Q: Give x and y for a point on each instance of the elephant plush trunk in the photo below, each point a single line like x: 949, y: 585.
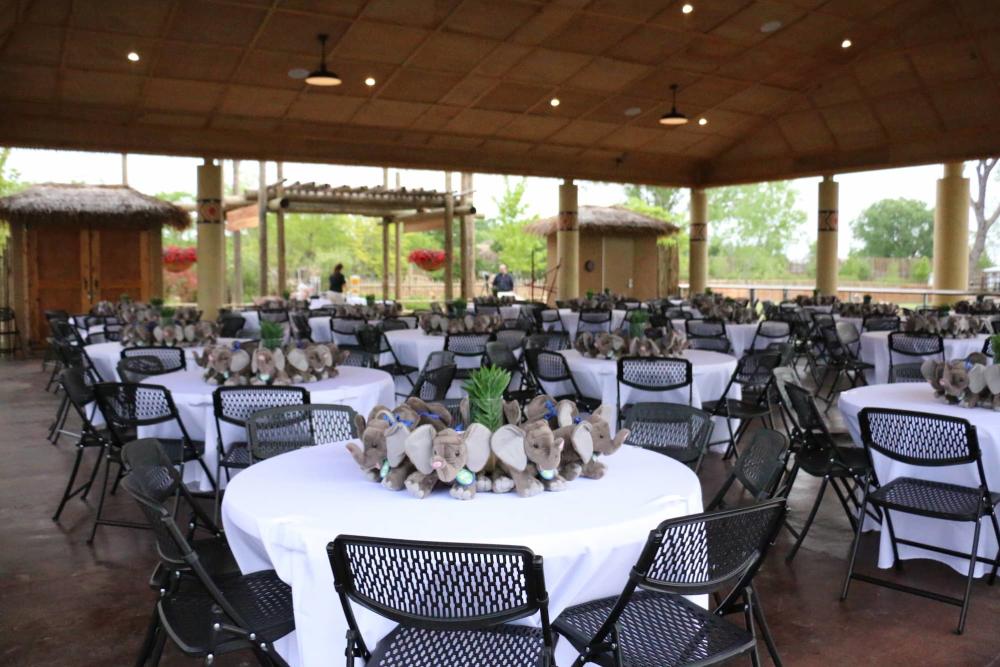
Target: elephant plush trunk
x: 446, y: 472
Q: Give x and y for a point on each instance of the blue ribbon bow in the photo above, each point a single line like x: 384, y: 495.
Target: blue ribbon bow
x: 550, y: 410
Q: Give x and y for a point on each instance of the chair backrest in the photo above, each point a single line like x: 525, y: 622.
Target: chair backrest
x: 172, y: 358
x: 803, y: 407
x: 439, y: 358
x: 548, y: 366
x: 127, y: 406
x: 769, y: 331
x: 234, y: 405
x: 499, y: 355
x: 595, y: 321
x: 467, y: 344
x: 230, y: 325
x: 755, y: 368
x: 433, y: 383
x: 654, y: 373
x: 549, y: 340
x: 821, y: 320
x: 372, y: 340
x: 303, y: 330
x: 438, y: 585
x: 394, y: 324
x: 762, y: 463
x: 284, y: 429
x: 80, y: 393
x: 920, y: 438
x: 273, y: 314
x: 915, y: 344
x: 137, y: 369
x: 669, y: 428
x: 705, y: 328
x: 880, y: 323
x: 783, y: 376
x: 512, y: 338
x: 847, y: 333
x: 484, y: 309
x: 701, y: 553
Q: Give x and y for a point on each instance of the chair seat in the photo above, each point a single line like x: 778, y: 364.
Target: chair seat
x: 507, y: 645
x: 730, y: 407
x: 237, y: 456
x: 658, y: 629
x: 263, y: 601
x: 816, y: 461
x: 933, y: 499
x: 178, y: 452
x: 399, y: 369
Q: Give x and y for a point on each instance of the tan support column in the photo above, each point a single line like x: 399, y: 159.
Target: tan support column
x: 449, y: 241
x: 398, y: 248
x: 211, y: 240
x: 280, y: 227
x: 568, y: 242
x: 951, y: 233
x: 468, y: 241
x: 826, y: 237
x: 262, y: 225
x: 385, y: 258
x: 698, y: 249
x: 237, y: 245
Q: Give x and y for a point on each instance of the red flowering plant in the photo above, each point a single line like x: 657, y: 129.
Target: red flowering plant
x: 428, y: 260
x: 177, y: 259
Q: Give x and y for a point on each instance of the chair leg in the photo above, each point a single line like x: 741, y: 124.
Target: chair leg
x: 896, y: 560
x: 765, y: 630
x: 68, y: 493
x: 104, y: 491
x: 204, y: 467
x: 968, y: 582
x: 856, y: 544
x: 996, y: 559
x: 748, y: 617
x: 149, y: 641
x: 812, y: 515
x: 93, y: 473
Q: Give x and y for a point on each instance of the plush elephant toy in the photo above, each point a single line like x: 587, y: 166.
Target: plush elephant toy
x: 268, y: 367
x: 993, y: 386
x: 320, y: 361
x: 602, y: 442
x: 447, y: 456
x: 433, y: 414
x: 932, y: 371
x: 297, y: 366
x: 541, y: 407
x: 978, y: 393
x: 382, y: 455
x: 530, y: 456
x: 954, y: 381
x: 239, y: 368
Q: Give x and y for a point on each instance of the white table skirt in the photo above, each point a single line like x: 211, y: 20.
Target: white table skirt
x: 107, y: 355
x: 598, y: 378
x: 948, y: 534
x: 360, y: 388
x: 875, y: 350
x: 740, y: 336
x: 282, y: 513
x: 571, y: 318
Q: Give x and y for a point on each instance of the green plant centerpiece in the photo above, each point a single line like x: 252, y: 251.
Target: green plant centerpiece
x: 995, y: 345
x: 272, y: 334
x: 590, y: 295
x: 485, y: 388
x: 370, y: 299
x: 459, y: 306
x: 637, y: 321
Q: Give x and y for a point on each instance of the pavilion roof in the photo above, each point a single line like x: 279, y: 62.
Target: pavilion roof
x: 607, y: 219
x: 468, y: 85
x: 64, y: 203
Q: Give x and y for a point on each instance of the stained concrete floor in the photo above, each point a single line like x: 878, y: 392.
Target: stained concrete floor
x: 63, y: 602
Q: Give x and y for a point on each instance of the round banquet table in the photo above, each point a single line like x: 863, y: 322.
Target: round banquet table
x: 740, y: 336
x: 107, y: 355
x: 360, y: 388
x: 282, y: 513
x: 511, y: 312
x: 599, y: 378
x: 571, y: 318
x: 875, y: 351
x: 951, y: 535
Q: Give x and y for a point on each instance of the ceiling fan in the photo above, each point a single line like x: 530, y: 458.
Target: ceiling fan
x: 321, y: 76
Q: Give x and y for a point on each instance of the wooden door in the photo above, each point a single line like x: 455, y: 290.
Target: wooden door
x: 59, y: 273
x: 119, y: 264
x: 618, y: 265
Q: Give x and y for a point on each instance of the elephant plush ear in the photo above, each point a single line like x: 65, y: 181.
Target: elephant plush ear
x: 465, y: 411
x: 419, y: 448
x: 508, y: 445
x: 239, y: 361
x: 977, y: 378
x: 359, y: 423
x: 512, y: 412
x: 279, y: 359
x: 565, y: 412
x: 395, y: 443
x: 993, y: 378
x: 477, y: 445
x: 583, y: 440
x: 603, y: 412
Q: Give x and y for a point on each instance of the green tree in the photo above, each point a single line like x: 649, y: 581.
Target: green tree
x: 10, y: 182
x: 667, y: 200
x: 895, y: 228
x: 762, y: 215
x: 505, y: 233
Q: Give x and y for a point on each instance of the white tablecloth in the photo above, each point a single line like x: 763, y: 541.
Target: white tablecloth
x: 107, y: 355
x: 282, y: 513
x: 571, y: 318
x: 875, y: 350
x: 598, y: 378
x: 251, y: 324
x: 506, y: 312
x: 740, y: 336
x: 951, y: 535
x: 360, y: 388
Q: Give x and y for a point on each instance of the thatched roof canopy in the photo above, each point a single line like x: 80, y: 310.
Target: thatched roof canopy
x: 607, y: 220
x: 61, y: 203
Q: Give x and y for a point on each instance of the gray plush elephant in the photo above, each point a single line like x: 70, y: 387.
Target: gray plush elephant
x: 382, y: 455
x: 448, y: 456
x: 530, y: 456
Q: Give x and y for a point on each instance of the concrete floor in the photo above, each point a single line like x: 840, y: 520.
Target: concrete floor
x: 65, y: 603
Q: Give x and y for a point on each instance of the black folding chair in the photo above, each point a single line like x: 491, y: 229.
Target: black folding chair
x: 230, y: 325
x: 769, y: 332
x: 549, y: 320
x: 136, y: 369
x: 499, y: 355
x: 204, y: 607
x: 594, y: 321
x: 343, y: 331
x: 841, y: 360
x: 290, y: 427
x: 301, y: 328
x: 880, y: 323
x: 453, y: 603
x: 678, y: 431
x: 171, y: 358
x: 754, y: 376
x: 432, y: 384
x: 80, y: 396
x: 549, y: 340
x: 758, y: 470
x: 373, y: 341
x: 927, y: 441
x: 652, y: 622
x: 551, y: 373
x: 653, y: 374
x: 913, y: 345
x: 707, y: 335
x: 468, y: 346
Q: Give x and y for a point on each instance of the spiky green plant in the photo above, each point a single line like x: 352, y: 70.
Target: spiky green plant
x: 156, y: 302
x: 485, y: 388
x: 167, y: 314
x: 995, y: 345
x: 637, y: 321
x: 272, y: 334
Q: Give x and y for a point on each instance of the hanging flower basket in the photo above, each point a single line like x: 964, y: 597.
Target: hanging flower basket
x: 178, y: 260
x: 428, y: 260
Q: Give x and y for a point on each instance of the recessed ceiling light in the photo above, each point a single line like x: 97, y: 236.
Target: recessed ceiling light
x: 687, y: 8
x: 633, y: 111
x: 133, y: 56
x: 771, y: 26
x: 846, y: 44
x: 703, y: 121
x: 554, y: 102
x: 370, y: 81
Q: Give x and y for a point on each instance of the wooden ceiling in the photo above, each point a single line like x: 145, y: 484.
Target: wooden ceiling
x: 467, y: 84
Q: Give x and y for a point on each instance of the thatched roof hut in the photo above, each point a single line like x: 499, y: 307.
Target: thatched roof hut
x: 616, y: 220
x: 107, y: 205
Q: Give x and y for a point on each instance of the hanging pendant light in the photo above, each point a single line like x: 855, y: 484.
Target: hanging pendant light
x: 322, y: 76
x: 673, y: 117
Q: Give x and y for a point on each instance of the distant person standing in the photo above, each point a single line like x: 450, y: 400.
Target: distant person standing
x: 503, y: 281
x: 337, y: 279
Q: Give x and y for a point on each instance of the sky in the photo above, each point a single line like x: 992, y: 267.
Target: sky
x: 152, y: 174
